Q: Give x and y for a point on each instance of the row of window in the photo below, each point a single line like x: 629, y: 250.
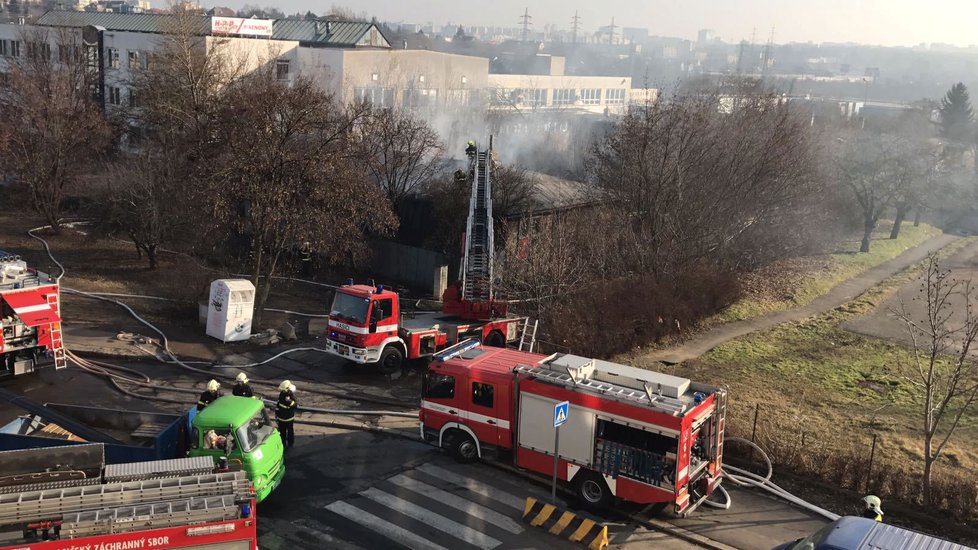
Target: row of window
x: 16, y: 48
x: 137, y: 59
x: 113, y: 96
x: 561, y: 96
x: 413, y: 97
x: 442, y: 386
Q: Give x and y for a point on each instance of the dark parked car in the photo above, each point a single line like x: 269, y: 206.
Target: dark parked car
x: 852, y: 533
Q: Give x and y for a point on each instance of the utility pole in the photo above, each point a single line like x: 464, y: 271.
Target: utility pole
x: 740, y: 55
x: 575, y: 26
x: 768, y: 52
x: 527, y: 21
x: 611, y: 31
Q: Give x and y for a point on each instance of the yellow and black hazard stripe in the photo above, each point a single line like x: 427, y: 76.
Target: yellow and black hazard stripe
x: 565, y: 524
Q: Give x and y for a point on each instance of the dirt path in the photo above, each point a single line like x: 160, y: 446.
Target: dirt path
x: 840, y: 294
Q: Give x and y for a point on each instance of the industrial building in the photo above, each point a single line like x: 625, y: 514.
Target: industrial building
x: 354, y: 60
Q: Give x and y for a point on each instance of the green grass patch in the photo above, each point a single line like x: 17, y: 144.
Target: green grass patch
x: 838, y: 267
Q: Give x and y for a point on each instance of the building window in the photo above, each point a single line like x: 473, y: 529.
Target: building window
x: 380, y: 97
x: 536, y: 97
x: 282, y: 69
x: 458, y: 97
x: 420, y: 97
x: 15, y: 48
x: 465, y: 80
x: 482, y: 394
x: 563, y: 96
x: 615, y: 96
x: 3, y: 48
x: 39, y: 50
x: 115, y: 95
x: 591, y: 96
x: 134, y: 60
x: 375, y: 77
x: 112, y: 58
x: 133, y: 102
x: 135, y: 136
x: 421, y: 79
x: 69, y: 53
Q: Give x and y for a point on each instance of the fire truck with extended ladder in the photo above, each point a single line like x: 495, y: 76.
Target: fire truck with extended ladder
x: 30, y: 318
x: 59, y: 498
x: 367, y: 326
x: 631, y: 434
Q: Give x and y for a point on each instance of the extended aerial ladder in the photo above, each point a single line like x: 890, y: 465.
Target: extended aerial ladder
x: 477, y: 264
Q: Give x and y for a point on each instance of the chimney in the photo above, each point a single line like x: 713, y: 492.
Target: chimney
x: 329, y: 26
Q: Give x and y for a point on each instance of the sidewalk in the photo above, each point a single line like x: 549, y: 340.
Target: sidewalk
x: 836, y: 297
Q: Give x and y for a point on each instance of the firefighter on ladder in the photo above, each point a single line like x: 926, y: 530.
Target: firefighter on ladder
x: 873, y: 508
x: 470, y: 148
x: 209, y: 395
x: 285, y: 412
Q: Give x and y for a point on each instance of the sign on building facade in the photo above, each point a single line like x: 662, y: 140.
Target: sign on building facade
x: 237, y: 25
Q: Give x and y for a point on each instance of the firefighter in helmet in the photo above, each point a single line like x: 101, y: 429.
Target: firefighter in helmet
x: 873, y: 507
x: 209, y: 395
x: 470, y: 148
x: 241, y: 387
x: 460, y: 176
x: 305, y: 257
x: 285, y: 412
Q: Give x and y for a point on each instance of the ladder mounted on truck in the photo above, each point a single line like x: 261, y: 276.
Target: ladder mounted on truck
x: 651, y: 389
x: 477, y: 264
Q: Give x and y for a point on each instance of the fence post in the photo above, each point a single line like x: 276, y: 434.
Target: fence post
x: 753, y: 432
x: 869, y: 470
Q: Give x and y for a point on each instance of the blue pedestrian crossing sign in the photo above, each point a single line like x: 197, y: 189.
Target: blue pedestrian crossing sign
x: 561, y: 411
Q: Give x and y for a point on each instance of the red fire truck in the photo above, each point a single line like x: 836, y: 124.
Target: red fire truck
x: 30, y: 319
x: 169, y: 504
x: 631, y: 434
x: 367, y: 326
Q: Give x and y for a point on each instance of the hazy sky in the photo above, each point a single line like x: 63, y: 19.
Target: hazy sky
x: 889, y: 22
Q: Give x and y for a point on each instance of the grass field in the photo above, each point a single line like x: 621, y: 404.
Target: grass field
x: 798, y: 281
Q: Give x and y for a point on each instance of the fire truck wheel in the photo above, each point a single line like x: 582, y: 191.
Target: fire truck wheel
x: 462, y: 447
x: 391, y: 360
x: 592, y: 491
x: 495, y: 339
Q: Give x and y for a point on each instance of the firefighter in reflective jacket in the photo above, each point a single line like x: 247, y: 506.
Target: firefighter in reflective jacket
x: 285, y: 412
x: 305, y: 256
x: 874, y: 508
x: 242, y: 388
x: 209, y: 396
x: 470, y: 148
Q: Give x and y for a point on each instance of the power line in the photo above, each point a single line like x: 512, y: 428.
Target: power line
x: 575, y: 26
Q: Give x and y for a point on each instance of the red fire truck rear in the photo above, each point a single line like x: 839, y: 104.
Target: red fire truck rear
x: 367, y: 326
x: 169, y: 504
x: 30, y: 319
x: 636, y: 435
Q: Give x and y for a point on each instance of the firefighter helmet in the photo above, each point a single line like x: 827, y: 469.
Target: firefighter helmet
x: 213, y: 385
x: 874, y: 503
x: 242, y: 377
x: 286, y: 385
x: 470, y: 143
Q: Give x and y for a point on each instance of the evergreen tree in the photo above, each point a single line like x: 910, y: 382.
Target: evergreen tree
x: 956, y: 114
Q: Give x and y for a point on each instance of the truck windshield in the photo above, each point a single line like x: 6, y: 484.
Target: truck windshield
x: 350, y: 308
x: 254, y: 433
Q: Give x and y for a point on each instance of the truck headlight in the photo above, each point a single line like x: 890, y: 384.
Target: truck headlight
x: 260, y: 482
x: 360, y: 352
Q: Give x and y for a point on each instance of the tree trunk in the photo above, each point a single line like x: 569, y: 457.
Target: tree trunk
x: 869, y: 224
x: 928, y: 467
x: 901, y: 214
x: 916, y: 216
x: 151, y: 255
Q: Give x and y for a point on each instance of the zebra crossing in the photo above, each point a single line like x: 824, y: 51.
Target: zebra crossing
x: 439, y: 505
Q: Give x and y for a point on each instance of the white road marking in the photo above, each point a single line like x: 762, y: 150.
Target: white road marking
x: 428, y: 517
x: 467, y: 506
x: 475, y: 486
x: 383, y: 527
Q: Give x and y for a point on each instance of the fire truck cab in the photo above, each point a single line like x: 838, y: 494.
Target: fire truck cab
x: 367, y: 326
x: 30, y: 320
x: 631, y: 434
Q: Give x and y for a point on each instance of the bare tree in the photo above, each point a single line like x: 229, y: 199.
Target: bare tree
x: 400, y: 152
x: 868, y: 164
x: 288, y: 176
x: 942, y: 336
x: 53, y: 130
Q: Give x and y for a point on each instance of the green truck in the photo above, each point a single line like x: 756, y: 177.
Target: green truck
x: 239, y: 428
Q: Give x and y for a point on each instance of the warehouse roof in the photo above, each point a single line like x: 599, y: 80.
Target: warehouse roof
x: 341, y: 34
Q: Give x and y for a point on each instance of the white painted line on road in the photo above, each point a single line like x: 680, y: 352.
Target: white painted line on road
x: 384, y: 527
x: 475, y: 486
x: 428, y: 517
x: 467, y: 506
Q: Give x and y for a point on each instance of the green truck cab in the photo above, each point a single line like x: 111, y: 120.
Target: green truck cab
x: 239, y: 428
